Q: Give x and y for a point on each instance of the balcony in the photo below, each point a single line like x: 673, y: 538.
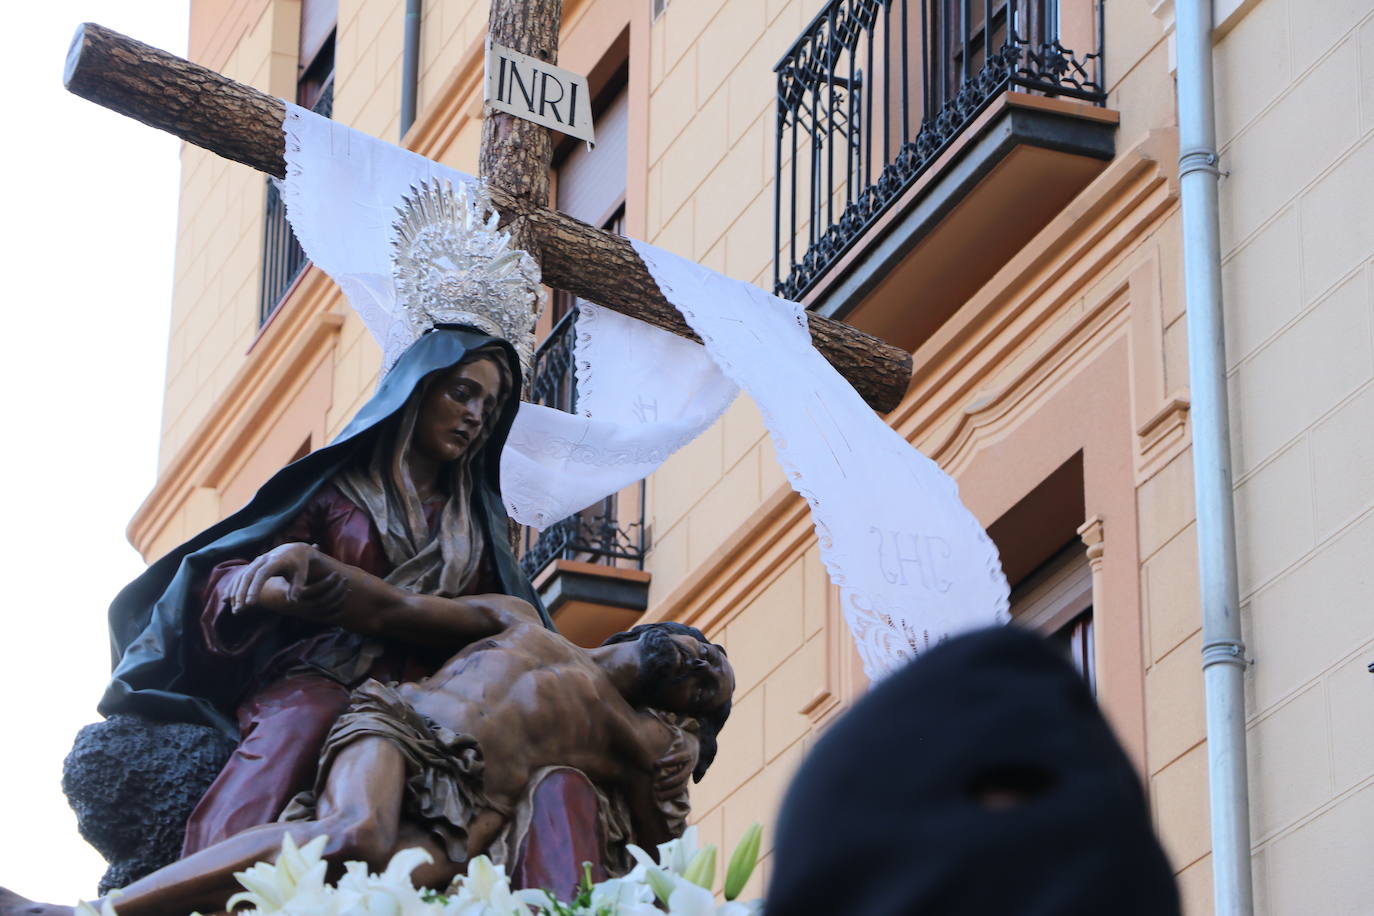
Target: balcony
x: 283, y: 260
x: 920, y: 134
x: 588, y: 568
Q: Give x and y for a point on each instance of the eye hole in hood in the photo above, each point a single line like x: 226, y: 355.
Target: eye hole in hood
x: 1009, y: 785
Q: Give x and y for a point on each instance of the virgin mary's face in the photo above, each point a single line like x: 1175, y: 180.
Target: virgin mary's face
x: 456, y: 408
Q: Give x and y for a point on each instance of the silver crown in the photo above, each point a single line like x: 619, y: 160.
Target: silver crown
x: 452, y: 266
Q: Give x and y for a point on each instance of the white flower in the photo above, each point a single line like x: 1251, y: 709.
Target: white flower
x: 676, y: 855
x: 294, y: 886
x: 298, y: 872
x: 629, y: 909
x: 674, y: 858
x: 687, y: 899
x: 485, y: 891
x: 106, y: 906
x: 620, y: 895
x: 392, y: 893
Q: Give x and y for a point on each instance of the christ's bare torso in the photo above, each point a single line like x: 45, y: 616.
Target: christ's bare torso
x: 532, y: 699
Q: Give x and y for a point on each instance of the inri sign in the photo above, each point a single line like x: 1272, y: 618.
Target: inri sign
x: 531, y: 89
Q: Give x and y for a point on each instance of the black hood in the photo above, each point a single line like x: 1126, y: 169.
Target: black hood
x: 980, y: 779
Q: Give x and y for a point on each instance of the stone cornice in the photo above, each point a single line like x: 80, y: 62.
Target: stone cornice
x: 1100, y: 225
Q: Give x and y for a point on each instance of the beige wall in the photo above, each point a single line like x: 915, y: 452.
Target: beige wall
x: 1075, y: 346
x: 1294, y: 121
x: 710, y: 198
x: 214, y: 296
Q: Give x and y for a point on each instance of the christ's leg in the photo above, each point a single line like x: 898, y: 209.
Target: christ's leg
x: 359, y: 811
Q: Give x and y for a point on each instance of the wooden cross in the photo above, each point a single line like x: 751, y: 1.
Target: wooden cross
x: 240, y: 123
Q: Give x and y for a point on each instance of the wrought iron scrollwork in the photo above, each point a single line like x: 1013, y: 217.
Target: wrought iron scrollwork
x: 874, y: 91
x: 594, y: 536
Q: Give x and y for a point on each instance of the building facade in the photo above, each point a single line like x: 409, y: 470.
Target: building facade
x: 992, y: 185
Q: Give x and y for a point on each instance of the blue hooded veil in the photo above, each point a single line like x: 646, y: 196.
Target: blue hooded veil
x: 161, y: 670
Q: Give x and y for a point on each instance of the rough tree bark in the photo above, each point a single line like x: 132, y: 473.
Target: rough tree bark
x: 175, y: 95
x: 516, y: 154
x: 240, y: 123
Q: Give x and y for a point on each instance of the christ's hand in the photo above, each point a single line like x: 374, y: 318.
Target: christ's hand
x: 671, y: 771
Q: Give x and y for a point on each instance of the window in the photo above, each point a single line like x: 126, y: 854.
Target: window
x: 1047, y: 565
x: 874, y: 92
x: 1056, y: 601
x: 283, y: 260
x: 315, y: 63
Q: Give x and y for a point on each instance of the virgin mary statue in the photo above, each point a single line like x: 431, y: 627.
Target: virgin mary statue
x: 410, y: 492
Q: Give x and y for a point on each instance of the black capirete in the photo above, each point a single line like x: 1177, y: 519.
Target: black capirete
x: 979, y: 779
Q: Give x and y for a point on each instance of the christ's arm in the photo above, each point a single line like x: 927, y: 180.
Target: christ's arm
x: 297, y: 580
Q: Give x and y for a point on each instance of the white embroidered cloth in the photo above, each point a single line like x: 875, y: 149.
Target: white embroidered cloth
x: 650, y: 394
x: 912, y: 563
x: 642, y: 394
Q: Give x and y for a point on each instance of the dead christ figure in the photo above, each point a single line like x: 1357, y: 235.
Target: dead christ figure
x: 443, y: 763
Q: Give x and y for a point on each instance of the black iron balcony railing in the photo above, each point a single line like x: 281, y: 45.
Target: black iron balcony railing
x: 283, y: 260
x: 597, y: 534
x: 874, y: 91
x: 593, y: 535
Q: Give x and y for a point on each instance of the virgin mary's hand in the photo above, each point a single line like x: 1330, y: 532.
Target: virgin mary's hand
x: 289, y: 563
x: 316, y: 601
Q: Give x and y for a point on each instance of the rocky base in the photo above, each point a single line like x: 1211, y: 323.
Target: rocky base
x: 133, y: 783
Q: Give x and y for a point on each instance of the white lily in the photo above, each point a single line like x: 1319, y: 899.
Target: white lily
x: 676, y: 855
x: 356, y: 879
x: 659, y: 882
x: 619, y: 895
x: 688, y: 899
x: 630, y: 909
x: 485, y: 891
x: 294, y: 886
x: 297, y: 871
x: 106, y: 906
x: 391, y: 893
x: 399, y: 869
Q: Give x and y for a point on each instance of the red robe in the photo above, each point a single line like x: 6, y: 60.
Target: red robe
x: 284, y: 718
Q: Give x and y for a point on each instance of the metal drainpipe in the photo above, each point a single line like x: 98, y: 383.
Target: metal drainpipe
x: 1223, y: 653
x: 410, y: 65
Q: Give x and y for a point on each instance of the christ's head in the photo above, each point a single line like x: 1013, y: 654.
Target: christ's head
x: 682, y: 671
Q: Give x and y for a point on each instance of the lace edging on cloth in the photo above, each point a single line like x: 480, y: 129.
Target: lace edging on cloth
x: 912, y: 563
x: 652, y: 392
